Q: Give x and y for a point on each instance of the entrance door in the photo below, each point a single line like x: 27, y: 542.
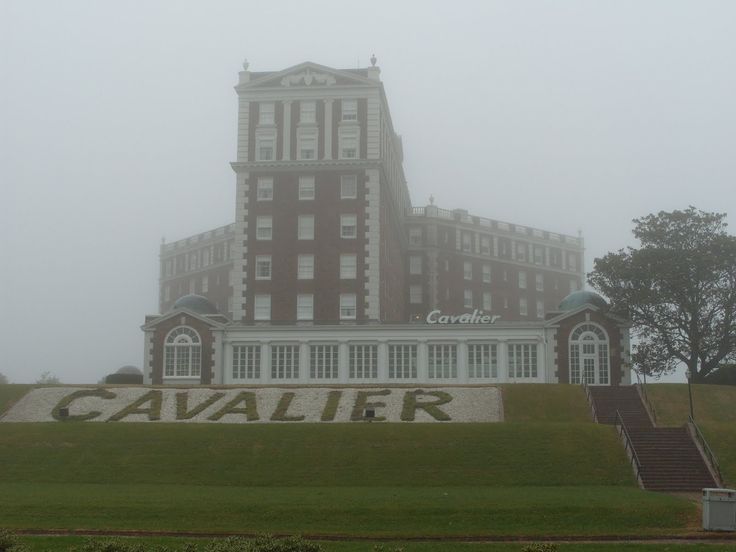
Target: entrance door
x: 589, y: 362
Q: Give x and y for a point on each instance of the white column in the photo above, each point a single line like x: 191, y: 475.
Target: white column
x: 383, y: 362
x: 286, y: 132
x: 422, y: 361
x: 304, y: 362
x: 462, y: 361
x: 265, y: 362
x: 541, y: 363
x: 343, y: 361
x: 328, y: 129
x: 502, y: 359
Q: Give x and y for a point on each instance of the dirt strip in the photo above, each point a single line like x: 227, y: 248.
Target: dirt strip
x: 704, y: 537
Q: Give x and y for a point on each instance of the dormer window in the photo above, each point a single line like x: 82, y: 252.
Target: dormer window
x: 350, y: 110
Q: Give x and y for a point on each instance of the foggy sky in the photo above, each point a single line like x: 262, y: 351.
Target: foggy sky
x: 118, y: 124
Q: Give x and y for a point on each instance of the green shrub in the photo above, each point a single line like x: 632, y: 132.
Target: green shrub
x: 9, y: 542
x: 540, y: 547
x: 265, y: 543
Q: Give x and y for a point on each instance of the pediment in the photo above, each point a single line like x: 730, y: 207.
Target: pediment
x: 309, y: 75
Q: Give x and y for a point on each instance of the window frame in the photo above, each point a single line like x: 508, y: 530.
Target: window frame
x: 343, y: 226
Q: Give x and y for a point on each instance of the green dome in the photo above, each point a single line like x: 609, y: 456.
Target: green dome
x: 579, y: 298
x: 196, y: 303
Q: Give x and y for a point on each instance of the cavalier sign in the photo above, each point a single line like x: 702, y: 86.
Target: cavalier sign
x: 239, y: 405
x: 476, y: 317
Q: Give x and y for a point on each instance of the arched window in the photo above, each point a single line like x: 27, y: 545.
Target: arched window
x: 182, y: 353
x: 589, y: 360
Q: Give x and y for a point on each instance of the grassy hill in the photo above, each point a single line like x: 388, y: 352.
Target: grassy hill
x: 548, y: 470
x: 11, y: 393
x: 714, y: 407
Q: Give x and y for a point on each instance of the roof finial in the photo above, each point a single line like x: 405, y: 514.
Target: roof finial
x: 431, y: 199
x: 245, y: 64
x: 373, y: 60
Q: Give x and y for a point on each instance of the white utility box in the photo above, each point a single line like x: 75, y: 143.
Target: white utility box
x: 719, y: 509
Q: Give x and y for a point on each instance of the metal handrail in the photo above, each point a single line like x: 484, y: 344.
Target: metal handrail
x: 710, y: 456
x: 589, y: 398
x: 629, y: 444
x: 644, y: 395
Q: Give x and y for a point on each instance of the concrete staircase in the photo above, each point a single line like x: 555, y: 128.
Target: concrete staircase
x: 668, y: 457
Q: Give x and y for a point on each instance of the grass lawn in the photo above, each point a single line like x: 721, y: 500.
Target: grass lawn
x: 715, y: 412
x: 62, y: 544
x: 722, y: 439
x: 368, y: 511
x: 509, y: 454
x: 11, y: 393
x: 711, y: 403
x: 545, y: 403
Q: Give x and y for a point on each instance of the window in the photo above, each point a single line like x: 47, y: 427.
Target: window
x: 265, y: 113
x: 167, y: 292
x: 485, y: 245
x: 264, y: 189
x: 522, y: 360
x: 247, y: 362
x: 522, y: 279
x: 348, y: 186
x: 348, y: 226
x: 308, y: 112
x: 306, y: 227
x: 350, y: 110
x: 468, y: 270
x: 307, y: 147
x: 540, y: 282
x: 482, y: 361
x: 265, y: 147
x: 306, y: 188
x: 589, y: 359
x: 262, y: 307
x: 468, y: 299
x: 487, y: 273
x: 264, y: 228
x: 348, y: 266
x: 540, y: 309
x: 348, y: 140
x: 521, y: 252
x: 415, y: 294
x: 205, y: 284
x: 572, y: 261
x: 191, y: 285
x: 538, y: 255
x: 467, y: 242
x: 487, y: 300
x: 522, y: 306
x: 182, y: 353
x: 323, y: 361
x: 363, y: 361
x: 347, y: 306
x: 305, y: 267
x: 442, y: 361
x: 402, y: 361
x: 573, y: 285
x: 415, y: 264
x: 415, y: 236
x: 305, y: 307
x: 284, y: 362
x: 307, y: 142
x: 263, y: 267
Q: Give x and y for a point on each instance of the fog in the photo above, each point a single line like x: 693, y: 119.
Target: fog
x: 118, y: 124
